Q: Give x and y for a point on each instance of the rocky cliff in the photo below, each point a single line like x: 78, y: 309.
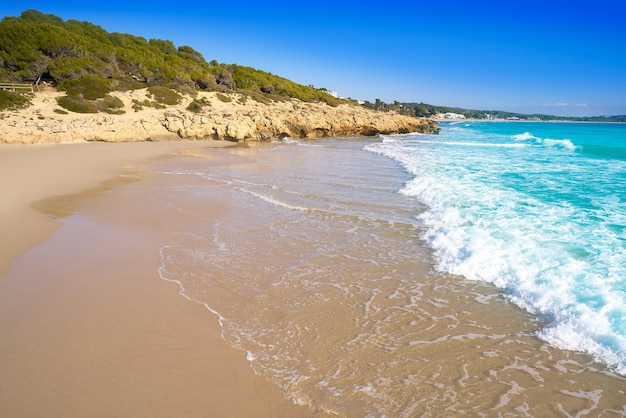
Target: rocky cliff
x: 240, y: 119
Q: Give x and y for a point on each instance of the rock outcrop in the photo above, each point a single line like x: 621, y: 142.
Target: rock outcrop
x: 238, y: 120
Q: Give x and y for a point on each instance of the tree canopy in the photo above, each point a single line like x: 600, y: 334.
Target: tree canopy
x: 37, y: 46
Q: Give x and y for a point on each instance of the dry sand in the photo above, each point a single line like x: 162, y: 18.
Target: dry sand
x: 87, y: 328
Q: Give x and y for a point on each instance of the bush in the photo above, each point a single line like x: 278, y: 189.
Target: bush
x: 198, y: 104
x: 224, y: 98
x: 111, y: 105
x: 259, y: 97
x: 77, y: 104
x: 186, y: 90
x: 165, y: 95
x: 127, y: 83
x: 108, y: 104
x: 89, y: 88
x: 13, y: 101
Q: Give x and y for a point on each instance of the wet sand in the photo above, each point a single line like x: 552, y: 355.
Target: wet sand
x: 87, y: 326
x: 316, y: 270
x: 311, y: 263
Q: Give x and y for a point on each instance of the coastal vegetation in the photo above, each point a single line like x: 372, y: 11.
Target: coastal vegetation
x: 12, y: 101
x: 89, y: 63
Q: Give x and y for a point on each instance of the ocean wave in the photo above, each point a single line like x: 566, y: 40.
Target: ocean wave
x: 572, y: 335
x: 548, y: 142
x: 526, y: 136
x: 556, y: 255
x: 581, y: 301
x: 560, y: 143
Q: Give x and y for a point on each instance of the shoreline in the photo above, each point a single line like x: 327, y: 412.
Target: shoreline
x: 93, y: 321
x: 89, y: 328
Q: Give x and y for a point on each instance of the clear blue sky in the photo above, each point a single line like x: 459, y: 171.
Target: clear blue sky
x: 554, y: 57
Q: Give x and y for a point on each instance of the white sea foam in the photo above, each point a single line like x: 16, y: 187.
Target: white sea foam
x: 526, y: 136
x: 548, y: 142
x: 560, y: 143
x: 488, y: 221
x: 276, y: 202
x: 478, y: 144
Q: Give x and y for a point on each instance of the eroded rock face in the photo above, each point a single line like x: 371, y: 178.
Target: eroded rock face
x: 232, y: 121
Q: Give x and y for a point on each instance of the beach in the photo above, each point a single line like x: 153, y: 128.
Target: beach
x: 277, y: 279
x: 88, y: 327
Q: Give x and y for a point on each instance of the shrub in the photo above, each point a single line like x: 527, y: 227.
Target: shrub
x: 259, y: 97
x: 165, y: 95
x: 196, y: 105
x: 77, y: 104
x: 108, y: 104
x: 137, y: 105
x: 187, y: 90
x: 332, y: 102
x: 111, y: 105
x: 224, y: 98
x: 13, y: 101
x: 127, y: 83
x: 90, y: 88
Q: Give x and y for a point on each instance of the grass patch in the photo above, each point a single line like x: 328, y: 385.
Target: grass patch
x: 197, y: 105
x: 77, y: 104
x: 13, y: 101
x: 111, y: 105
x: 224, y: 98
x: 107, y: 104
x: 165, y: 95
x: 137, y: 105
x: 258, y: 97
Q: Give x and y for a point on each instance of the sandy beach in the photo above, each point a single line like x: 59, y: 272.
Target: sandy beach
x: 88, y: 327
x: 187, y: 279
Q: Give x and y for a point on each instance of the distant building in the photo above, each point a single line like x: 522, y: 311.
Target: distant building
x: 451, y: 115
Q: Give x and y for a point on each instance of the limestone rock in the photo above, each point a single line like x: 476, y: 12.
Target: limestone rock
x: 233, y: 121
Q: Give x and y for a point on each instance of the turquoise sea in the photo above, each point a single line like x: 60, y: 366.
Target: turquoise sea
x: 537, y: 209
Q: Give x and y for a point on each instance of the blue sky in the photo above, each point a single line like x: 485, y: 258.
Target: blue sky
x: 553, y: 57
